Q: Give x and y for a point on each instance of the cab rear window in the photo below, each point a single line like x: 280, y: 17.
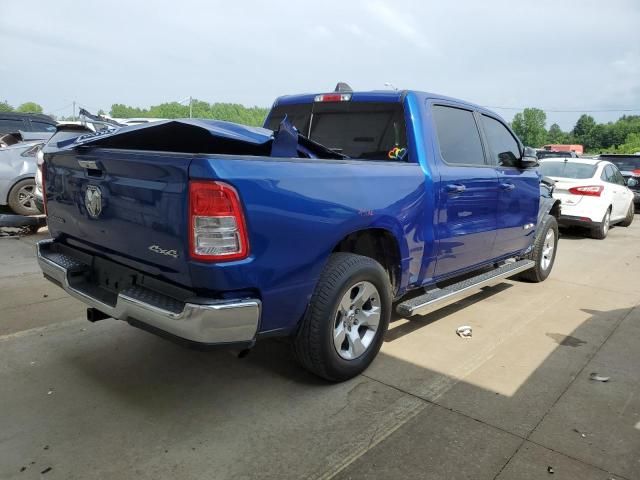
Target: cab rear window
x: 362, y: 130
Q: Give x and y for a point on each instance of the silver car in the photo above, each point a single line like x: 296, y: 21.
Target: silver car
x: 17, y: 175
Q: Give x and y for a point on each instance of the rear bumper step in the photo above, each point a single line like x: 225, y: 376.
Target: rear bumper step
x: 200, y: 320
x: 441, y: 297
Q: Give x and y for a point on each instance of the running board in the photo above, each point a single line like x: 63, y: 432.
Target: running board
x: 441, y: 297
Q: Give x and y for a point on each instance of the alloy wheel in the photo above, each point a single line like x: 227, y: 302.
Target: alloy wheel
x: 356, y: 320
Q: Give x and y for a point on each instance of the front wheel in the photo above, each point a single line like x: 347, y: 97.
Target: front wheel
x: 544, y: 251
x: 347, y: 317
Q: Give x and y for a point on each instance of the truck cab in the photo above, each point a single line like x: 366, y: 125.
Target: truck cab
x: 480, y: 205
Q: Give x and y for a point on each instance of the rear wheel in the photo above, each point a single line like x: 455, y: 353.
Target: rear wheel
x: 628, y: 220
x: 348, y: 315
x: 544, y: 251
x: 600, y: 232
x: 22, y: 199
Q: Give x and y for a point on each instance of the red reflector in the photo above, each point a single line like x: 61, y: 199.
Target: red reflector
x: 217, y: 230
x: 589, y: 190
x: 333, y: 97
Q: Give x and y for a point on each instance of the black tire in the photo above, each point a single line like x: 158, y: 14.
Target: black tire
x: 628, y: 220
x: 600, y: 232
x: 17, y: 197
x: 314, y: 342
x: 539, y: 254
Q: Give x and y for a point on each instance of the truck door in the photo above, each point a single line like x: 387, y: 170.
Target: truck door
x: 467, y: 192
x: 518, y: 189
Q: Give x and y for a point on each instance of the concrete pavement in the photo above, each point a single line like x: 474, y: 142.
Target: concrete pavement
x: 106, y: 400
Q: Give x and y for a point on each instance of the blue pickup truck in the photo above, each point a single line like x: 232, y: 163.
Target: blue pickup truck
x: 345, y: 207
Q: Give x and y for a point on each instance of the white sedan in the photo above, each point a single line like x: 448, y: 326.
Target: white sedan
x: 592, y: 192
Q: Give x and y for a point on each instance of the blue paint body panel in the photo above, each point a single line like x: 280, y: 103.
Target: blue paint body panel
x: 297, y: 210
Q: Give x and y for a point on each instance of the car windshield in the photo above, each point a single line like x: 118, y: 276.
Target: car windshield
x: 625, y: 164
x: 567, y: 169
x: 363, y: 130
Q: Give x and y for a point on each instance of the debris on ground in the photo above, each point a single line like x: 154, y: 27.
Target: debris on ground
x: 50, y: 392
x: 598, y: 378
x: 464, y: 331
x: 550, y: 470
x: 582, y: 434
x: 46, y: 470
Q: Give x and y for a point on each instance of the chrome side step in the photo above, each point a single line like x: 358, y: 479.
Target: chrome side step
x: 441, y: 297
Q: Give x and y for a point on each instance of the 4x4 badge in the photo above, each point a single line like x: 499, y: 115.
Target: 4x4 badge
x: 93, y: 201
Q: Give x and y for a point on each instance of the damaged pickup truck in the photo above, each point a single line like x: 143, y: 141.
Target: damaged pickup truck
x: 315, y: 227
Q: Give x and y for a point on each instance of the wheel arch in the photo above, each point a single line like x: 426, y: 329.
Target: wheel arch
x: 4, y: 200
x: 379, y: 244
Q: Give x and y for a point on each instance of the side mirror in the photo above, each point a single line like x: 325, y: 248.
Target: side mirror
x: 632, y: 182
x: 529, y: 158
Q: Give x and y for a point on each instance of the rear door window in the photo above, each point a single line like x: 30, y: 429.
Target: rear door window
x: 619, y: 179
x: 503, y: 147
x: 458, y: 136
x: 608, y: 175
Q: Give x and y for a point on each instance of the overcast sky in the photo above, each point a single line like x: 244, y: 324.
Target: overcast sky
x: 556, y: 55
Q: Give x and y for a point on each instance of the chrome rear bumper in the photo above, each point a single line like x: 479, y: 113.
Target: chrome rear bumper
x: 198, y: 320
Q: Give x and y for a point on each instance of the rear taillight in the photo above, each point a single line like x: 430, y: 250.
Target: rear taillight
x: 589, y: 191
x: 333, y: 97
x: 217, y: 229
x: 636, y: 172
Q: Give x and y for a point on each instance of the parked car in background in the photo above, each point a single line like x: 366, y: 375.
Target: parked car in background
x: 11, y: 122
x: 629, y: 166
x: 552, y: 154
x: 593, y: 193
x: 17, y: 176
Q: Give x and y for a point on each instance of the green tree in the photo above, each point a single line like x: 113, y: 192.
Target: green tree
x: 5, y: 107
x: 29, y: 107
x: 630, y: 145
x: 584, y: 125
x: 530, y: 126
x: 229, y: 112
x: 556, y: 135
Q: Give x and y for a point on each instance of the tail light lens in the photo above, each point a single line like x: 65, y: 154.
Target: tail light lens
x: 217, y: 228
x: 636, y: 172
x: 589, y: 190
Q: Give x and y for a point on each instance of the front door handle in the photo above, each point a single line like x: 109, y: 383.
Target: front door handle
x: 507, y: 186
x: 455, y: 188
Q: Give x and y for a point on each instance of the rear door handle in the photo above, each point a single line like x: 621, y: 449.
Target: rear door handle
x: 455, y: 188
x: 507, y: 186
